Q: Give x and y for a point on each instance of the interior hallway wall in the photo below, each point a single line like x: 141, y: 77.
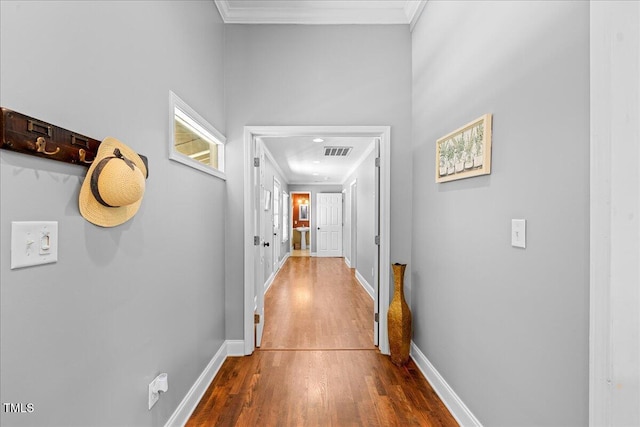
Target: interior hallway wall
x: 507, y: 328
x: 83, y: 338
x: 315, y: 75
x: 366, y: 249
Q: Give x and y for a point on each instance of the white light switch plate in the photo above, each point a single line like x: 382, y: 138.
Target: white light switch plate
x: 519, y: 233
x: 33, y: 243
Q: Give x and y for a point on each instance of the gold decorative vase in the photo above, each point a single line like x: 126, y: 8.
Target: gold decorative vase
x: 399, y: 319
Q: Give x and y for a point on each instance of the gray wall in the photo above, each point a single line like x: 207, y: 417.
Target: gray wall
x: 366, y: 250
x: 507, y: 328
x: 83, y: 338
x: 315, y: 75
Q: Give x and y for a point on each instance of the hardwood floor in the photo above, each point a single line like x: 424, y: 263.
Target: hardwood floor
x: 317, y: 365
x: 316, y: 303
x: 300, y: 252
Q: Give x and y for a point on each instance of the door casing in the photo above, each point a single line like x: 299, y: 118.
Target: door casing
x: 381, y: 132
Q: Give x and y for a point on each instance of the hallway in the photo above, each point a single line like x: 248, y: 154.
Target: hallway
x: 317, y: 364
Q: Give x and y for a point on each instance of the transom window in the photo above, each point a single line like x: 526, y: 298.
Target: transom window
x: 194, y: 141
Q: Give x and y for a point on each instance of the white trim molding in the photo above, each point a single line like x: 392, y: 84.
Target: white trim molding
x: 614, y: 327
x: 184, y: 410
x: 284, y: 259
x: 456, y: 406
x: 235, y: 348
x: 414, y: 10
x: 253, y: 132
x: 365, y: 285
x: 272, y: 278
x: 319, y: 12
x: 269, y: 281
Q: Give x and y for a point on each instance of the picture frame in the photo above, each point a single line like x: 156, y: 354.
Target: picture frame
x: 465, y: 152
x: 303, y: 214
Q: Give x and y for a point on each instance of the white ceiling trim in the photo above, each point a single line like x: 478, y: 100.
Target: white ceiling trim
x: 320, y: 12
x: 414, y: 10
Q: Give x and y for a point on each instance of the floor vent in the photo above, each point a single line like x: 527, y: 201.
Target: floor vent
x: 337, y: 151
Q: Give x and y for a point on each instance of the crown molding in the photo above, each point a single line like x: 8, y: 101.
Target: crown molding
x: 413, y: 10
x: 223, y: 9
x: 318, y: 12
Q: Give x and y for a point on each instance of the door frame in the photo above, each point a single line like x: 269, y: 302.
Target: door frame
x: 382, y: 132
x: 613, y: 246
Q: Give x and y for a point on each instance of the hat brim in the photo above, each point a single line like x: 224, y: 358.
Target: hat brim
x: 92, y: 210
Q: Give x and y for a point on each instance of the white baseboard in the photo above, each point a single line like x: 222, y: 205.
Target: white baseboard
x: 456, y: 406
x: 347, y: 261
x: 269, y: 282
x: 363, y: 282
x: 182, y: 413
x: 284, y: 259
x: 235, y: 348
x: 271, y: 278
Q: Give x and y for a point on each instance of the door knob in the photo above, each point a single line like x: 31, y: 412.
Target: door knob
x: 318, y: 228
x: 265, y: 244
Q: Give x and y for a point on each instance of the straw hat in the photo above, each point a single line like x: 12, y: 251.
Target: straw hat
x: 112, y: 190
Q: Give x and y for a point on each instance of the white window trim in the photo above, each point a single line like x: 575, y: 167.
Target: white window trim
x: 201, y: 126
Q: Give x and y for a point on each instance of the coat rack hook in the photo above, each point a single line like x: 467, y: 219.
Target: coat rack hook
x: 41, y: 147
x: 82, y: 153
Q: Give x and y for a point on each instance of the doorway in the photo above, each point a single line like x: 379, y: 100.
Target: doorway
x: 254, y: 297
x: 300, y: 224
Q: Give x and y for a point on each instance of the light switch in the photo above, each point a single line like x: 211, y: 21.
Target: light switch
x: 519, y: 233
x: 33, y: 243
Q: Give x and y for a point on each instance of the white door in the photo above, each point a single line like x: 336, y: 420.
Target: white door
x: 329, y: 225
x: 259, y: 230
x: 277, y: 225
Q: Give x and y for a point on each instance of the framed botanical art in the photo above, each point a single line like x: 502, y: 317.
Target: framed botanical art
x: 465, y: 152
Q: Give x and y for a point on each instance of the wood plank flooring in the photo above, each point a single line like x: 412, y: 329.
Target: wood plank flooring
x: 317, y: 365
x: 316, y: 303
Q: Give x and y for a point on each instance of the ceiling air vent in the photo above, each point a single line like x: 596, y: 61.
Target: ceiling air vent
x: 337, y: 151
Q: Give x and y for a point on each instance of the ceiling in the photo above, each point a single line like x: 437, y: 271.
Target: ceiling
x: 320, y: 11
x: 302, y: 161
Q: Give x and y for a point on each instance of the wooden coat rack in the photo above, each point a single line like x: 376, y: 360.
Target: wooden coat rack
x: 27, y: 135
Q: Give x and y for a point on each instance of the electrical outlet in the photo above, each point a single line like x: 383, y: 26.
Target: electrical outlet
x: 154, y: 396
x: 159, y: 384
